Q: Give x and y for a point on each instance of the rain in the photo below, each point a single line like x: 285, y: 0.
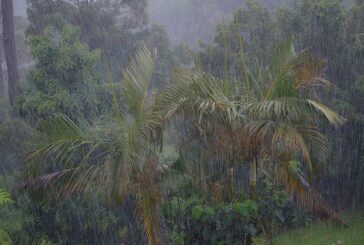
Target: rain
x: 182, y: 122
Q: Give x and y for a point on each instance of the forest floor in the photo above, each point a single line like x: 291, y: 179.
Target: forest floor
x: 326, y: 233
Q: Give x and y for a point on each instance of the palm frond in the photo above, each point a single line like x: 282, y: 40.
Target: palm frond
x: 294, y: 75
x: 5, y: 197
x: 292, y: 109
x: 283, y: 56
x: 308, y: 70
x: 303, y: 141
x: 287, y: 109
x: 281, y: 72
x: 62, y: 183
x: 62, y: 140
x: 289, y: 138
x: 137, y: 138
x: 333, y: 117
x: 136, y: 78
x: 198, y: 94
x: 292, y: 178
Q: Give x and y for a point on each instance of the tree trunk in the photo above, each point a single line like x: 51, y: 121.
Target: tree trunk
x: 149, y: 198
x: 253, y: 189
x: 2, y: 82
x: 9, y: 48
x: 3, y: 97
x: 253, y: 178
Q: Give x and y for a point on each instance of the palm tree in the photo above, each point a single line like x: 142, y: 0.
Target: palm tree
x: 118, y: 158
x: 208, y: 113
x: 283, y: 121
x: 276, y: 122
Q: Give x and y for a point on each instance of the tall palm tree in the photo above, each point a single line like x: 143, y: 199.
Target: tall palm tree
x: 283, y: 120
x: 276, y: 122
x: 118, y: 157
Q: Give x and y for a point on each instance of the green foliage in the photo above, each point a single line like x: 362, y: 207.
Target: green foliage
x: 119, y: 159
x: 192, y: 221
x: 272, y: 204
x: 114, y: 27
x: 5, y: 197
x: 251, y: 32
x: 84, y: 220
x: 301, y: 218
x: 63, y: 79
x: 13, y: 136
x: 5, y: 238
x: 271, y: 109
x: 246, y: 209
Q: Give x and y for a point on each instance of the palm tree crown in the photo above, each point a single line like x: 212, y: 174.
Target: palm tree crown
x: 118, y: 157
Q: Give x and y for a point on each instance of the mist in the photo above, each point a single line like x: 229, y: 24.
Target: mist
x: 183, y: 22
x: 182, y: 122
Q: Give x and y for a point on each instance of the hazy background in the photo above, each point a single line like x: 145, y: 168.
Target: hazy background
x: 20, y: 7
x: 182, y: 20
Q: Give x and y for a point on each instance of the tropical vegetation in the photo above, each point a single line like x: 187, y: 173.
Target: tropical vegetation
x: 119, y: 136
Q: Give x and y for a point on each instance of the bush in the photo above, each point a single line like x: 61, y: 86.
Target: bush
x: 190, y: 221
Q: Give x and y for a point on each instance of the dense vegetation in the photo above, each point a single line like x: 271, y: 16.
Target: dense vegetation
x: 116, y: 137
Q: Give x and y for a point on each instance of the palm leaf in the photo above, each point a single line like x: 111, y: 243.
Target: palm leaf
x: 5, y: 197
x: 136, y: 78
x: 199, y: 95
x: 333, y: 117
x: 61, y: 183
x: 292, y: 178
x: 61, y: 139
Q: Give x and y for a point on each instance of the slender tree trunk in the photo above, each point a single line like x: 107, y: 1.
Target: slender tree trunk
x: 149, y: 198
x: 9, y: 48
x: 3, y: 97
x: 232, y: 184
x: 253, y: 188
x: 253, y: 178
x: 2, y: 82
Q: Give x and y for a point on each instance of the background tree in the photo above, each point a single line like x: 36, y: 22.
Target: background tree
x: 114, y: 27
x: 63, y: 79
x: 10, y: 49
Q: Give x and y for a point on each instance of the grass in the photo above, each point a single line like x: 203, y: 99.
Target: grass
x: 325, y: 233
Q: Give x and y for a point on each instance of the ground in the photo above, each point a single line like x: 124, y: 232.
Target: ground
x: 325, y: 233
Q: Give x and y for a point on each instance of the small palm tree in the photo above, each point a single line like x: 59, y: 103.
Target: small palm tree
x: 118, y: 158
